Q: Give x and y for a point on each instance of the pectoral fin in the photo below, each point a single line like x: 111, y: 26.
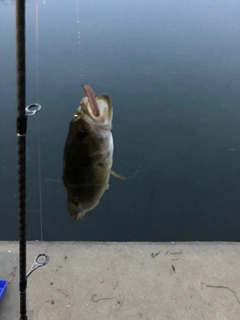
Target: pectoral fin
x: 118, y: 176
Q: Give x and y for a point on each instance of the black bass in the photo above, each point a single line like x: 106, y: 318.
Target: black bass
x: 88, y: 153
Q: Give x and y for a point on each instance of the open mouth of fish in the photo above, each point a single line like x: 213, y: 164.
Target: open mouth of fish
x: 98, y: 108
x: 94, y: 108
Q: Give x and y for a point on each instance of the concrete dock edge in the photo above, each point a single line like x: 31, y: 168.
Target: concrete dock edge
x: 125, y: 281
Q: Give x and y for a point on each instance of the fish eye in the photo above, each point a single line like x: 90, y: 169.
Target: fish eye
x: 82, y: 133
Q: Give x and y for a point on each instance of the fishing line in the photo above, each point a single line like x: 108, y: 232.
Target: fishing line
x: 79, y: 38
x: 38, y: 124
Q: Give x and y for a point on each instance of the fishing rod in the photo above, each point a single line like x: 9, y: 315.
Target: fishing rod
x: 22, y: 115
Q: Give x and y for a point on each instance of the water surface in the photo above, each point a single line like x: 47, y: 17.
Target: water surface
x: 172, y: 70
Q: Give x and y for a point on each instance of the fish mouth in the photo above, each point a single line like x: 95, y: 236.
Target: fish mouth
x: 97, y: 108
x: 92, y: 100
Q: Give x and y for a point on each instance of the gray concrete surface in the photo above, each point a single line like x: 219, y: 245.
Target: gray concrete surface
x: 126, y: 281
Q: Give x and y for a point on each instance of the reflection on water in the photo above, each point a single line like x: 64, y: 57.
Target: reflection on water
x: 171, y: 69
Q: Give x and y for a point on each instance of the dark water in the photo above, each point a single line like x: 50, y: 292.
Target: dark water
x: 172, y: 70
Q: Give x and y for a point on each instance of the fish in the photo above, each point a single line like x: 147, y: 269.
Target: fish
x: 88, y: 153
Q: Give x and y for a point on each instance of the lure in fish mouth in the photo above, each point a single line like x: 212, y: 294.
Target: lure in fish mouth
x: 98, y: 108
x: 92, y: 100
x: 88, y: 153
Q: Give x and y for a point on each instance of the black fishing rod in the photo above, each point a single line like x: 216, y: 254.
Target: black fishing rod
x: 21, y: 137
x: 22, y: 114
